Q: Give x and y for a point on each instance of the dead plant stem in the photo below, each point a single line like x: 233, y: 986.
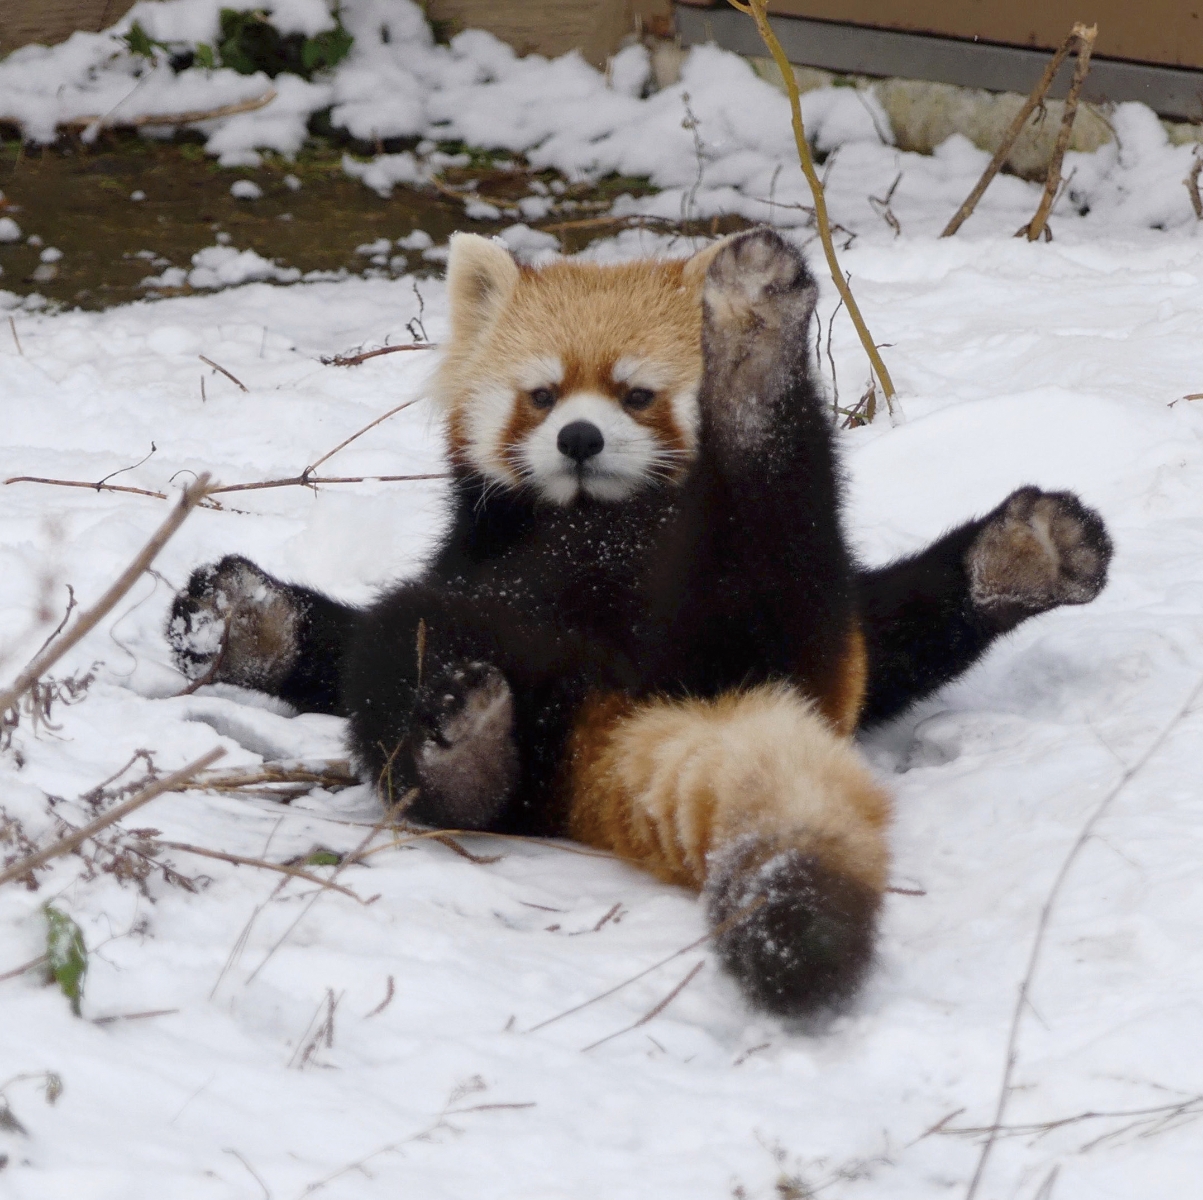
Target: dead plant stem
x: 1084, y: 37
x: 89, y: 619
x: 757, y: 10
x: 1034, y: 101
x: 116, y: 813
x: 1025, y: 986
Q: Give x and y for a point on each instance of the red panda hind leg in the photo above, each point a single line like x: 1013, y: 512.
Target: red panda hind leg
x: 754, y: 800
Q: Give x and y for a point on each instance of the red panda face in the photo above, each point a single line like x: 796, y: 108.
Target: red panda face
x: 573, y: 380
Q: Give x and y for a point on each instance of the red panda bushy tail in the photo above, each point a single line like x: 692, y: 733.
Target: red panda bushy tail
x: 753, y: 799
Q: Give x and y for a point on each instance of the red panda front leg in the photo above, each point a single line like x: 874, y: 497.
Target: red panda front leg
x: 754, y: 800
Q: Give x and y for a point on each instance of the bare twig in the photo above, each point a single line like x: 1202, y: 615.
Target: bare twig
x: 389, y: 992
x: 392, y: 412
x: 1191, y: 181
x: 758, y: 11
x: 881, y: 204
x: 228, y: 374
x: 79, y: 483
x: 1193, y: 1105
x: 717, y: 931
x: 1034, y: 101
x: 1084, y: 36
x: 180, y: 118
x: 88, y: 620
x: 29, y: 966
x: 380, y: 825
x: 240, y: 860
x: 331, y: 773
x: 251, y: 1170
x: 304, y: 480
x: 78, y: 837
x: 1046, y: 912
x: 353, y: 360
x: 655, y: 1011
x: 136, y: 1016
x: 13, y: 326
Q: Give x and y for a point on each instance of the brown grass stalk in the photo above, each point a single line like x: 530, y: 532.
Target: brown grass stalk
x: 717, y: 931
x: 757, y: 10
x: 180, y: 118
x: 228, y: 374
x: 1192, y: 185
x: 353, y: 360
x: 1034, y: 101
x: 1084, y: 37
x: 116, y: 813
x: 241, y: 860
x: 90, y: 618
x: 1023, y: 994
x: 652, y: 1012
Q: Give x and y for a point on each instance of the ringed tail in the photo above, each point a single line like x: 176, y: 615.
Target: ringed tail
x: 754, y: 800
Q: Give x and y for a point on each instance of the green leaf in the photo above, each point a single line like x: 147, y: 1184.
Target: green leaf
x: 204, y: 56
x: 323, y: 858
x: 141, y: 43
x: 66, y: 955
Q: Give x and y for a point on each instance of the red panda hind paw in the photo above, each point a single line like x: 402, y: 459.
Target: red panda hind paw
x: 1036, y: 551
x: 236, y: 623
x: 807, y: 938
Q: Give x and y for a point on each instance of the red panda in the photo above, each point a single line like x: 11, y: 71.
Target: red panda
x: 643, y: 628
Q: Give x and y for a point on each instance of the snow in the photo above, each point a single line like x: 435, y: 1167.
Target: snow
x: 1061, y: 364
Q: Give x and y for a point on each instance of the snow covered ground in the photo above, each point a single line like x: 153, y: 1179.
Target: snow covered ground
x: 1054, y: 364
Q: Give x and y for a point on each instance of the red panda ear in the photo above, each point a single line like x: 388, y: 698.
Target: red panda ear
x: 696, y: 267
x: 481, y: 274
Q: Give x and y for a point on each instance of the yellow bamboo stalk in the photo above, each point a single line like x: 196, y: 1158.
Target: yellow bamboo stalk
x: 758, y: 11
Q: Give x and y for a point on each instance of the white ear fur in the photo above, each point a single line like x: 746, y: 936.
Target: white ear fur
x: 481, y: 274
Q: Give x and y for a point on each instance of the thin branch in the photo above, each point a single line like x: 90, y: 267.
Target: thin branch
x: 21, y: 970
x: 757, y: 10
x: 88, y: 620
x: 353, y: 360
x: 79, y: 483
x: 116, y: 813
x: 346, y: 862
x: 1084, y: 35
x: 181, y: 118
x: 303, y: 480
x: 240, y: 860
x: 135, y: 1016
x: 392, y: 412
x: 332, y: 773
x: 1035, y: 100
x: 1191, y: 181
x: 717, y: 931
x: 13, y: 326
x: 655, y: 1011
x: 228, y: 374
x: 1046, y: 912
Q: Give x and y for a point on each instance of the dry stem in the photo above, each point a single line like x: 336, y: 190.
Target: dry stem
x: 228, y: 374
x: 654, y: 1011
x: 1035, y: 100
x: 757, y: 10
x: 1192, y: 186
x: 182, y: 118
x: 353, y: 360
x: 1046, y: 912
x: 1084, y: 36
x: 87, y: 621
x: 78, y: 837
x: 240, y: 860
x: 717, y: 931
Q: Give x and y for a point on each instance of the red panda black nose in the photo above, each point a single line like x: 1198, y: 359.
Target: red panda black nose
x: 580, y: 440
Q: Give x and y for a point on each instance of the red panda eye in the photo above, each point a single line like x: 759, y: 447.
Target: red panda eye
x: 542, y: 397
x: 639, y: 398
